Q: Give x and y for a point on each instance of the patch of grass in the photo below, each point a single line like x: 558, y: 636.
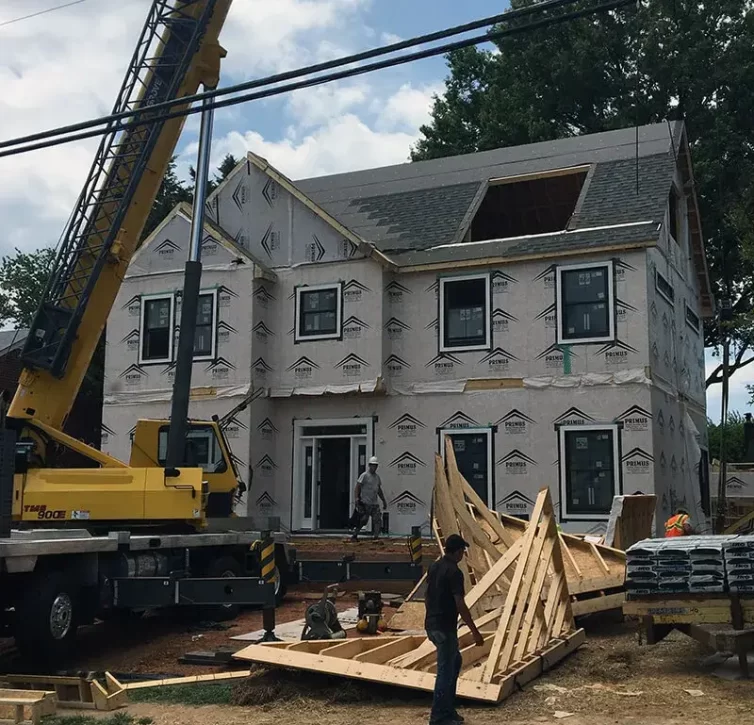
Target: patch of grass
x: 119, y: 718
x: 220, y: 694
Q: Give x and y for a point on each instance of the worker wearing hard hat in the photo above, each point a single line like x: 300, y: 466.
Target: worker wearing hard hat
x: 368, y: 491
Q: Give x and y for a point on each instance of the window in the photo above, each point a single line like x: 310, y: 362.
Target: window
x: 202, y: 450
x: 473, y: 451
x: 692, y: 319
x: 586, y: 308
x: 589, y: 470
x: 465, y: 313
x: 157, y: 319
x: 206, y: 322
x: 664, y: 288
x: 318, y: 312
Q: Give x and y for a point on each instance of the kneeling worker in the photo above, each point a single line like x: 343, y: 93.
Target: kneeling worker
x: 679, y: 524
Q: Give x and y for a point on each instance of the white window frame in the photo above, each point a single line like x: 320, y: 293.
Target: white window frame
x: 565, y: 515
x: 338, y: 286
x: 474, y: 431
x: 698, y: 328
x: 213, y: 350
x: 143, y: 329
x: 442, y: 281
x: 608, y: 265
x: 667, y: 299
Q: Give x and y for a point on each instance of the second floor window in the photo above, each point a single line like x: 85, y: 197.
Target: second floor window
x: 586, y: 307
x: 204, y: 335
x: 157, y: 315
x: 465, y: 313
x: 318, y: 312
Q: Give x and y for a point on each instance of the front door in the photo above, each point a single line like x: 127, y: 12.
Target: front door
x: 335, y: 483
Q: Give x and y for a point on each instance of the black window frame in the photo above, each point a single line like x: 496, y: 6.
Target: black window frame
x: 162, y: 442
x: 299, y: 334
x: 564, y: 338
x: 443, y: 309
x: 563, y: 432
x: 144, y: 331
x: 695, y: 323
x: 667, y: 294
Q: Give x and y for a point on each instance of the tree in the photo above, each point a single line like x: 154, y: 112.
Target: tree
x: 23, y: 277
x: 227, y: 165
x: 619, y: 69
x: 735, y: 447
x: 172, y: 191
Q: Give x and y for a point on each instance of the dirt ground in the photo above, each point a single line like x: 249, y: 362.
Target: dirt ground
x: 610, y: 680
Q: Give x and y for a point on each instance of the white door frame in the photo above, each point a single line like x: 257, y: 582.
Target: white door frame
x: 299, y: 466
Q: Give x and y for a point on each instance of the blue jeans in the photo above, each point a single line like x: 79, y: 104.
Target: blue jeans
x: 446, y: 678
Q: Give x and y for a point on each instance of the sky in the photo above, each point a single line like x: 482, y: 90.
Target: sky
x: 67, y: 65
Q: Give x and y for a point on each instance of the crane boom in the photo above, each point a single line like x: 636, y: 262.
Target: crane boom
x: 177, y: 51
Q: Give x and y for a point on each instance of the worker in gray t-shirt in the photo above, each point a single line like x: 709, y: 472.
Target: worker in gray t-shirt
x: 368, y: 491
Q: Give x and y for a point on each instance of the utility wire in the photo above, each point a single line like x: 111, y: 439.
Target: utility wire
x: 41, y: 12
x: 57, y: 136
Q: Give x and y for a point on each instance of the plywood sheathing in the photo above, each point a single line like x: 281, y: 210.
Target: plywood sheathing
x: 530, y: 630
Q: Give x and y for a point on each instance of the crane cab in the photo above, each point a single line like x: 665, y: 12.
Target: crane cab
x: 206, y: 448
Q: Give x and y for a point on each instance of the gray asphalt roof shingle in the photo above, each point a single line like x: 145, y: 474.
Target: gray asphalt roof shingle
x: 416, y: 206
x: 11, y: 339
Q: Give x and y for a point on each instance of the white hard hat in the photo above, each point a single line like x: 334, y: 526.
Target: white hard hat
x: 373, y: 460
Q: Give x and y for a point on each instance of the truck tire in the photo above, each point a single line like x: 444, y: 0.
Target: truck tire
x: 225, y: 566
x: 47, y: 617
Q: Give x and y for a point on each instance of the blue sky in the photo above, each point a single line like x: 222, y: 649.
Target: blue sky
x: 67, y: 66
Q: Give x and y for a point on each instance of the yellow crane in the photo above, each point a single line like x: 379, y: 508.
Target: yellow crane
x: 76, y: 543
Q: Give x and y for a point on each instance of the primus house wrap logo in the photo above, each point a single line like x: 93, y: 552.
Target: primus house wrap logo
x: 515, y: 504
x: 638, y: 462
x: 133, y: 374
x: 267, y: 429
x: 498, y: 360
x: 314, y: 250
x: 501, y: 320
x: 234, y: 427
x: 547, y: 277
x: 573, y: 416
x: 616, y: 353
x: 395, y: 328
x: 266, y: 466
x: 131, y: 340
x: 459, y: 419
x: 396, y: 292
x: 167, y: 248
x: 220, y: 369
x: 515, y: 423
x: 303, y: 367
x: 406, y: 504
x: 516, y: 463
x: 501, y: 282
x: 635, y: 418
x: 444, y: 364
x: 265, y: 502
x: 351, y: 365
x: 548, y: 316
x: 353, y: 291
x: 406, y: 464
x: 353, y: 327
x: 406, y: 426
x: 395, y: 366
x: 555, y: 356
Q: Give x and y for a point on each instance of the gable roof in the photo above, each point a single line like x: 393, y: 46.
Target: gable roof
x: 11, y: 340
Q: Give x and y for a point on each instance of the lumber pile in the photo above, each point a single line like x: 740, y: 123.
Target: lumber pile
x: 595, y: 573
x: 517, y: 592
x: 20, y: 706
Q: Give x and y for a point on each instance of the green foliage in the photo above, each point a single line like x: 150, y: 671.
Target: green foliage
x: 581, y: 77
x: 23, y: 277
x: 173, y: 191
x: 734, y: 439
x: 220, y: 694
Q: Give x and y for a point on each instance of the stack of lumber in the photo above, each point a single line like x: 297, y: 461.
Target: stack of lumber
x: 595, y: 573
x: 26, y: 705
x: 517, y: 593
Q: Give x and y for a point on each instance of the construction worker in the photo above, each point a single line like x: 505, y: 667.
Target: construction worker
x: 679, y: 524
x: 444, y: 602
x: 368, y: 490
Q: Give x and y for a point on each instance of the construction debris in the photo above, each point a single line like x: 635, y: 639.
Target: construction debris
x: 18, y: 702
x: 517, y: 592
x: 595, y: 573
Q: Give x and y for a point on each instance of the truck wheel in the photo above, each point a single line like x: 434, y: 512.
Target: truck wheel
x: 225, y: 566
x: 48, y: 616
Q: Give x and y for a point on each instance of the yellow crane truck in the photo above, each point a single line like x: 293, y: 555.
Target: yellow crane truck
x: 80, y: 543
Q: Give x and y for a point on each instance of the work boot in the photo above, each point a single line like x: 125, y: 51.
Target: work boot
x: 457, y: 717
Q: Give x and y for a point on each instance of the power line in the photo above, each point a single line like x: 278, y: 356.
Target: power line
x: 53, y: 138
x: 41, y: 12
x: 297, y: 73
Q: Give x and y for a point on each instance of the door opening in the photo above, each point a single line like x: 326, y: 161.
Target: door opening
x: 334, y: 482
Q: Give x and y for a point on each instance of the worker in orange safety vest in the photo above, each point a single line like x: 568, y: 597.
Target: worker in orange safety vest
x: 679, y: 525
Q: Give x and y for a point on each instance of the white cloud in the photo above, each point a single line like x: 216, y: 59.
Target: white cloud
x: 313, y: 106
x: 409, y: 107
x: 344, y: 144
x: 67, y: 66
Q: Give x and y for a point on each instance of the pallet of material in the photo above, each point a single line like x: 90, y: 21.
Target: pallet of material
x: 595, y: 573
x: 692, y: 609
x: 528, y: 628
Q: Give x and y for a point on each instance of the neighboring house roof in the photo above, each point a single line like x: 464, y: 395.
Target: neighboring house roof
x: 11, y: 340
